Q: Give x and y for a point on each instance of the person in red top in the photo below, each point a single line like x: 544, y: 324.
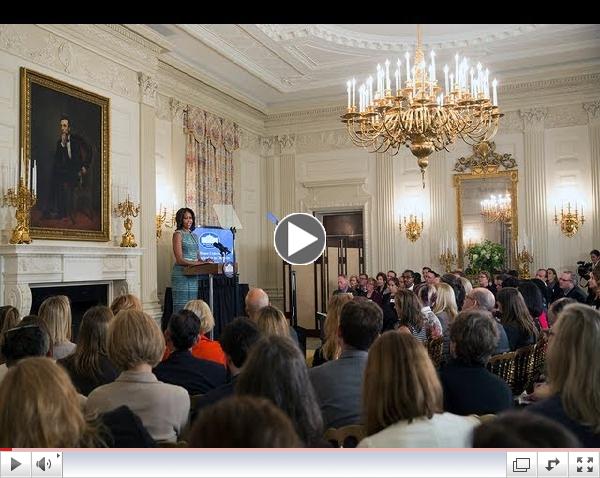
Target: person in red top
x: 205, y: 348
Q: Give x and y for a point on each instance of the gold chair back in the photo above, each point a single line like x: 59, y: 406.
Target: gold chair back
x: 345, y: 437
x: 435, y: 348
x: 503, y: 365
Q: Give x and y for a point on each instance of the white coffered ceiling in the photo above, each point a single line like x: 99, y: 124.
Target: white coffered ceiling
x: 277, y: 67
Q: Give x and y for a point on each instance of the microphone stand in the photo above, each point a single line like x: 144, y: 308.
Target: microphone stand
x: 236, y: 291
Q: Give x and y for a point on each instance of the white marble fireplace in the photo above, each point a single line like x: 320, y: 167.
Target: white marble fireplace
x: 37, y: 265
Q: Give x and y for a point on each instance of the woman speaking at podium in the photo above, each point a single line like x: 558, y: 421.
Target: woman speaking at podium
x: 187, y: 253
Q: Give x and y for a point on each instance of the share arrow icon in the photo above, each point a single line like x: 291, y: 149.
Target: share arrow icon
x: 550, y: 466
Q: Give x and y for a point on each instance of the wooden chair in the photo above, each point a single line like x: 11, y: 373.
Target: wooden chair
x: 524, y: 361
x: 435, y: 349
x: 503, y: 365
x: 170, y: 444
x: 345, y: 437
x: 539, y: 362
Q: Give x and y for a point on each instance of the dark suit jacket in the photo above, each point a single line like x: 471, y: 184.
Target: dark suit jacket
x: 577, y: 294
x: 338, y: 384
x: 212, y: 397
x: 124, y: 429
x: 472, y: 389
x: 86, y: 383
x: 194, y: 374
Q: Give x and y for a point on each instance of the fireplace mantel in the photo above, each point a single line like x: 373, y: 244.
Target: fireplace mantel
x: 23, y: 266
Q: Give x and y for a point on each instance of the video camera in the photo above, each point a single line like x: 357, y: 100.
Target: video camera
x: 584, y: 269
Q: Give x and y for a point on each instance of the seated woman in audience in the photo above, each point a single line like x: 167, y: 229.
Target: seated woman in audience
x: 390, y: 319
x: 9, y: 318
x: 41, y: 408
x: 271, y: 321
x: 372, y: 292
x: 466, y: 285
x: 445, y: 310
x: 522, y: 429
x: 205, y: 348
x: 381, y: 280
x: 21, y: 342
x: 485, y: 280
x: 353, y: 284
x: 402, y: 399
x: 534, y: 300
x: 276, y: 370
x: 554, y: 290
x: 243, y: 422
x: 135, y: 345
x: 125, y: 302
x: 515, y: 318
x: 410, y: 317
x: 457, y: 286
x: 89, y: 366
x: 573, y: 373
x: 331, y: 348
x: 55, y: 312
x: 469, y: 388
x: 593, y: 298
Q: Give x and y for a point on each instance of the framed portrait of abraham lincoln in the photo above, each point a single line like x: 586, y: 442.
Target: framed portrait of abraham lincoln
x: 65, y: 137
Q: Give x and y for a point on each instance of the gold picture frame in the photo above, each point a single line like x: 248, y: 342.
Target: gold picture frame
x: 65, y: 141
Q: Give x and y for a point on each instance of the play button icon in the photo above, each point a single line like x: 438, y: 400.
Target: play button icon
x: 14, y: 464
x: 299, y: 238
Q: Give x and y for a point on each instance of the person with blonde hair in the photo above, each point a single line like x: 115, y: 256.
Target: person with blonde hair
x: 271, y: 321
x: 446, y: 311
x: 205, y: 348
x: 55, y: 313
x: 41, y: 408
x: 89, y: 366
x: 402, y: 399
x: 135, y: 345
x: 125, y: 302
x: 9, y: 318
x: 332, y: 347
x: 573, y: 373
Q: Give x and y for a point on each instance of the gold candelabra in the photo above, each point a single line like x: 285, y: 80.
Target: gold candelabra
x: 161, y: 220
x: 570, y: 222
x: 447, y: 258
x: 127, y: 209
x: 23, y: 199
x: 413, y: 228
x: 497, y: 209
x: 523, y: 258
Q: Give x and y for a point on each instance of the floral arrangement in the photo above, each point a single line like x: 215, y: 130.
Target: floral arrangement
x: 485, y: 256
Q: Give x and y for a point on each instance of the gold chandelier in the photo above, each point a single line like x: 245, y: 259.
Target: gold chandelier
x: 497, y: 209
x: 570, y: 222
x: 421, y: 115
x: 412, y: 227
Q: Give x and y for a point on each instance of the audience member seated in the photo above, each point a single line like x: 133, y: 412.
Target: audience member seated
x: 343, y: 285
x: 466, y: 285
x: 402, y: 399
x: 408, y: 277
x: 381, y: 283
x: 372, y: 292
x: 483, y: 299
x: 256, y: 300
x: 469, y: 388
x: 361, y: 290
x: 593, y: 298
x: 485, y: 280
x: 182, y: 368
x: 445, y: 309
x: 9, y: 318
x: 459, y: 290
x: 556, y: 308
x: 123, y: 429
x: 432, y: 278
x: 276, y: 370
x: 271, y: 321
x: 534, y: 300
x: 353, y: 284
x: 55, y: 312
x: 573, y: 373
x: 522, y: 429
x: 554, y: 290
x: 89, y: 366
x: 390, y: 319
x: 41, y: 408
x: 236, y: 339
x: 569, y: 287
x: 205, y: 348
x: 391, y: 274
x: 410, y: 317
x: 22, y: 342
x: 243, y: 422
x: 135, y: 345
x: 338, y: 383
x: 515, y: 318
x: 331, y: 348
x: 125, y: 302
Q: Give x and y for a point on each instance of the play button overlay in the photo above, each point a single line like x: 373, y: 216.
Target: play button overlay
x: 14, y: 464
x: 300, y: 239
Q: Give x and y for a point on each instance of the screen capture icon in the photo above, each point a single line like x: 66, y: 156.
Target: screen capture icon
x: 299, y: 238
x: 521, y: 464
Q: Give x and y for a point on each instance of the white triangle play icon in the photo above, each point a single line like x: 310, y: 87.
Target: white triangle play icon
x: 298, y: 239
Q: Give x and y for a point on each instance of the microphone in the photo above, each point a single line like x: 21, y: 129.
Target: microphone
x: 222, y: 249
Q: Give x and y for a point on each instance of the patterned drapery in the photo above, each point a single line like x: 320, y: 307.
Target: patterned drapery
x: 209, y: 163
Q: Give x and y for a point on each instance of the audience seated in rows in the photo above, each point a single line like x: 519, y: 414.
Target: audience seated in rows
x: 446, y: 310
x: 243, y: 422
x: 402, y: 399
x: 390, y: 318
x: 55, y: 313
x: 256, y: 300
x: 534, y: 300
x: 135, y: 345
x: 89, y: 366
x: 271, y: 321
x: 568, y: 284
x: 514, y: 317
x: 469, y: 388
x: 205, y: 348
x: 423, y: 325
x: 338, y: 383
x: 332, y: 347
x: 181, y: 367
x: 125, y: 302
x: 482, y: 299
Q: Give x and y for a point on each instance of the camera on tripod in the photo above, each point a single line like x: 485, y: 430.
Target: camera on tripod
x: 584, y: 269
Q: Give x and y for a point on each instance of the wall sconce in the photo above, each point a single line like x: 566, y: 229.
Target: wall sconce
x: 412, y: 227
x: 161, y: 220
x: 569, y: 222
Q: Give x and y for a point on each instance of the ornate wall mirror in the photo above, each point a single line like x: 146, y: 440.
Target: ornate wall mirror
x: 486, y: 200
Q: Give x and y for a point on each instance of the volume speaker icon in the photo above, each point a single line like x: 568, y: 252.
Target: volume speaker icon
x: 43, y: 463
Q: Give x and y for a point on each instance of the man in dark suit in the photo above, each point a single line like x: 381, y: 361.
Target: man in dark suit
x: 71, y: 164
x: 182, y: 368
x: 338, y: 383
x: 568, y: 284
